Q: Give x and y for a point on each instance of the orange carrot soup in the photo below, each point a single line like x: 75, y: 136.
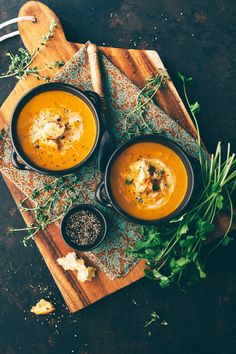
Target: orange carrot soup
x: 148, y: 180
x: 56, y: 130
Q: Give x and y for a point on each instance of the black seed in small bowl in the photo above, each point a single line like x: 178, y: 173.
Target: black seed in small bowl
x: 83, y: 227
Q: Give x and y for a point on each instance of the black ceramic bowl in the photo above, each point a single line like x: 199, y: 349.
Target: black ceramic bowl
x: 101, y: 236
x: 104, y: 192
x: 89, y: 97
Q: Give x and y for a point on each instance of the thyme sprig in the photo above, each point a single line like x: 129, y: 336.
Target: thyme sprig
x: 135, y: 122
x: 20, y: 63
x: 155, y: 318
x: 45, y: 210
x: 173, y: 251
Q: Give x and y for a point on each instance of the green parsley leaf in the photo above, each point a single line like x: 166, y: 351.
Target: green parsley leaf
x: 184, y: 229
x: 204, y: 227
x: 188, y: 241
x: 219, y: 201
x: 226, y: 240
x: 202, y: 274
x: 195, y: 108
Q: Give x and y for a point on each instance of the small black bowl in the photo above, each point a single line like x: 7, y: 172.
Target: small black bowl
x: 101, y: 235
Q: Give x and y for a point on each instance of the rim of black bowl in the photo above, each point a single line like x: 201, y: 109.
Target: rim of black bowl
x: 51, y: 86
x: 101, y: 236
x: 158, y: 138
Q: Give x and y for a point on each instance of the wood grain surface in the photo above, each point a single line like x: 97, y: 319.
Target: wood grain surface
x: 137, y: 65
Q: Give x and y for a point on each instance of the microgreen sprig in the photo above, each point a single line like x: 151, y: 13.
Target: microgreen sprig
x: 135, y: 122
x: 45, y: 208
x: 20, y: 63
x: 154, y: 318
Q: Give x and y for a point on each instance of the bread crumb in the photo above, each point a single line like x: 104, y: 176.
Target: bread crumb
x: 71, y: 262
x: 42, y: 307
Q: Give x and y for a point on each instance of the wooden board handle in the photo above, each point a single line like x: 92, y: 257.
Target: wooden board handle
x: 95, y: 71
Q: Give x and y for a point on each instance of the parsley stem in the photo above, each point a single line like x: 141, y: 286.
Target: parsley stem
x: 231, y: 212
x: 24, y: 229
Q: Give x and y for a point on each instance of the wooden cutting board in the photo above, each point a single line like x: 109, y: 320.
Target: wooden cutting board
x: 137, y: 65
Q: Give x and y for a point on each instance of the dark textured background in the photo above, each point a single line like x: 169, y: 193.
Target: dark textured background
x: 198, y: 38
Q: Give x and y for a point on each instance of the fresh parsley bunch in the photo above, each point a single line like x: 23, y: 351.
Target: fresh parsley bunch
x: 173, y: 251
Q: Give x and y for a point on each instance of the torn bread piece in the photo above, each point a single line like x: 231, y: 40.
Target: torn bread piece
x: 71, y: 262
x: 43, y: 307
